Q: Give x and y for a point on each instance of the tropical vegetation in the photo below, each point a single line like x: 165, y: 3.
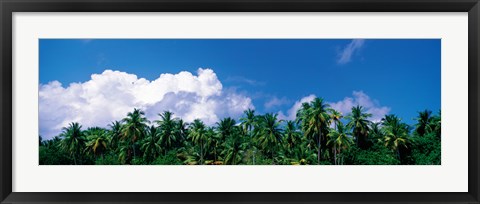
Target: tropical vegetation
x: 319, y: 135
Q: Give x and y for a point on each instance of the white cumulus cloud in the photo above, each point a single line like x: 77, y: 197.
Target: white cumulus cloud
x: 346, y: 54
x: 111, y: 95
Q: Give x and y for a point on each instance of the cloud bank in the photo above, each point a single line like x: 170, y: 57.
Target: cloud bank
x: 346, y: 54
x: 111, y: 95
x: 344, y: 106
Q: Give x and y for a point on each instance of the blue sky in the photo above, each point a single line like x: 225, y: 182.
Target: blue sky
x: 393, y: 76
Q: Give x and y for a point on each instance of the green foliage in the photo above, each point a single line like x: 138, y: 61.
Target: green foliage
x: 340, y: 140
x: 263, y: 161
x: 139, y: 161
x: 97, y: 141
x: 151, y: 145
x: 133, y: 130
x: 360, y: 125
x: 314, y: 120
x: 50, y: 153
x: 169, y: 159
x: 109, y: 159
x: 269, y: 134
x: 73, y: 141
x: 426, y: 150
x: 317, y: 136
x: 376, y: 155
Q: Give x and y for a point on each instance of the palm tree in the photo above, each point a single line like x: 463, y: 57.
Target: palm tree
x: 115, y: 134
x: 167, y: 130
x: 233, y: 146
x: 198, y: 136
x: 181, y: 129
x: 359, y: 124
x: 73, y: 140
x: 226, y: 127
x: 269, y: 134
x: 133, y: 130
x: 292, y: 136
x: 248, y: 122
x: 227, y: 132
x: 97, y: 141
x: 124, y: 152
x: 424, y: 122
x: 214, y: 143
x: 340, y: 140
x: 437, y: 124
x: 52, y: 142
x: 396, y: 133
x: 305, y: 155
x: 150, y: 147
x: 376, y: 133
x: 335, y: 116
x: 315, y: 121
x: 302, y: 119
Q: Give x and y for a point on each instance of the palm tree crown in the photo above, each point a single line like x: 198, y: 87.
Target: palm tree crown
x: 133, y: 130
x: 396, y: 133
x: 73, y: 140
x: 166, y: 125
x: 269, y: 134
x: 359, y: 124
x: 340, y: 140
x: 315, y: 120
x: 424, y: 124
x: 198, y: 136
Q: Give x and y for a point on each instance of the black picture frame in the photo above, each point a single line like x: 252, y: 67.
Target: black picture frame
x: 7, y: 7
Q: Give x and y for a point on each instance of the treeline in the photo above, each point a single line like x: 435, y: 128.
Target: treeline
x: 319, y: 135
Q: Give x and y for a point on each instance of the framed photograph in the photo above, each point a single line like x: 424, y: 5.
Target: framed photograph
x: 239, y: 101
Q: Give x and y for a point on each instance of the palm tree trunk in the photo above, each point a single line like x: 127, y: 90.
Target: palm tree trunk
x: 254, y: 157
x: 129, y: 156
x: 398, y: 155
x: 319, y: 143
x: 357, y: 137
x: 201, y: 152
x: 335, y: 155
x: 319, y: 152
x: 215, y: 154
x: 234, y: 158
x: 273, y: 161
x: 133, y: 147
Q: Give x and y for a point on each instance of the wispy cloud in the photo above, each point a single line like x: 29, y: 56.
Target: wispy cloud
x: 240, y: 79
x: 101, y: 59
x: 275, y: 102
x: 346, y: 54
x: 360, y: 98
